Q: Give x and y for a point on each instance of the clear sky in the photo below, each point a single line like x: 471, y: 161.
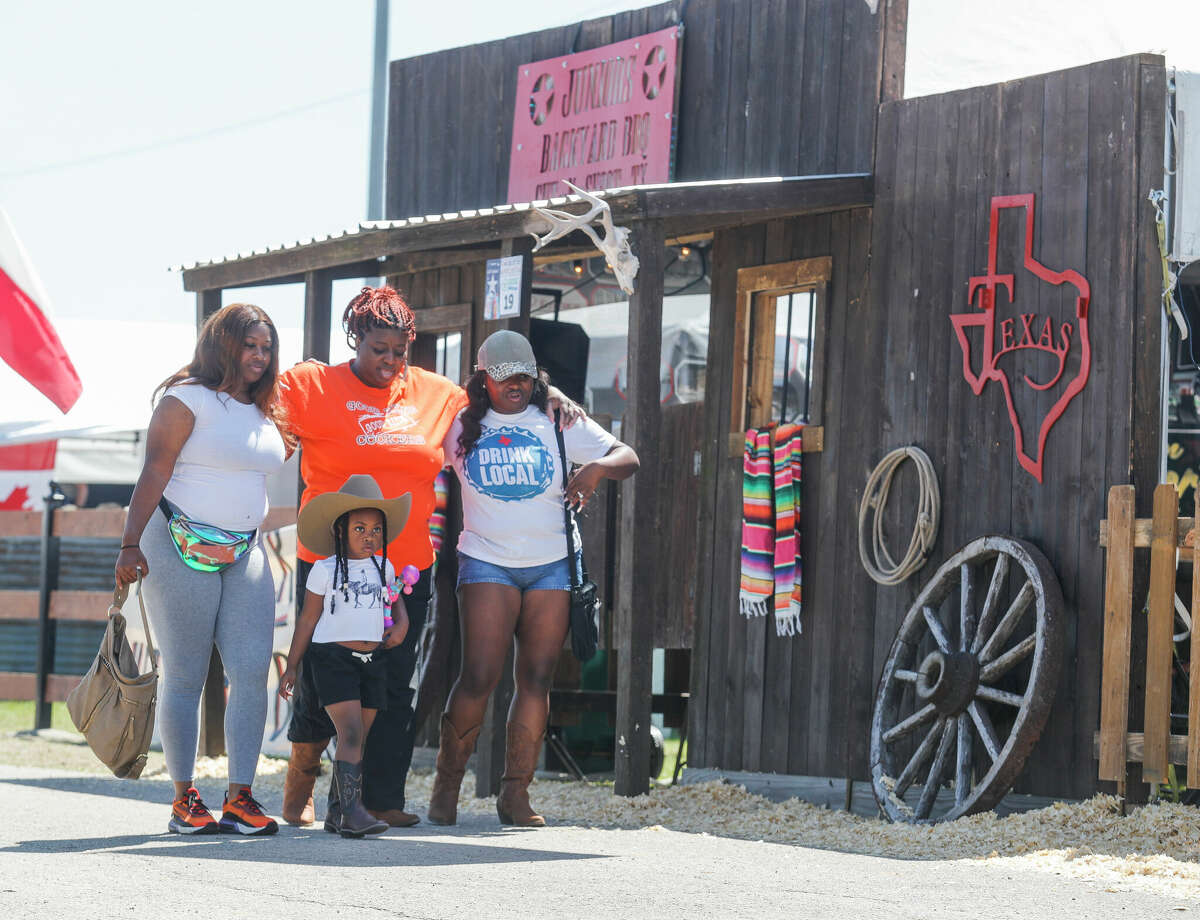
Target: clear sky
x: 139, y: 134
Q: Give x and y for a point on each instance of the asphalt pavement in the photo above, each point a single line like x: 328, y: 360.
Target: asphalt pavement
x: 76, y: 845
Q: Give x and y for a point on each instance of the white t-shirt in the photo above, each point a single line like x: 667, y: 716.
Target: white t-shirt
x: 358, y: 618
x: 512, y: 485
x: 220, y: 477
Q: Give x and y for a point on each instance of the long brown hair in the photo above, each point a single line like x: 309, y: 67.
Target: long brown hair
x: 216, y: 363
x: 478, y: 404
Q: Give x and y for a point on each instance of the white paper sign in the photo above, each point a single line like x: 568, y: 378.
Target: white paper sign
x: 502, y: 290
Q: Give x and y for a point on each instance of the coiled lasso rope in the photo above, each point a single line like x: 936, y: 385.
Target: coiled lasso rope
x: 882, y: 567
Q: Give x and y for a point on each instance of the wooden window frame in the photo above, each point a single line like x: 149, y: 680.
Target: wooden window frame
x: 447, y: 319
x: 758, y: 288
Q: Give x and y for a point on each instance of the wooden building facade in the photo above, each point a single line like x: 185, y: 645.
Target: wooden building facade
x: 886, y: 221
x: 1087, y: 143
x: 769, y: 88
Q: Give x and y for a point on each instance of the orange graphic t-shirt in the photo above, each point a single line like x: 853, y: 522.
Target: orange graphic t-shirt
x: 395, y: 434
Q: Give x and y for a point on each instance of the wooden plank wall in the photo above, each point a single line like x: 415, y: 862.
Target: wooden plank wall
x: 450, y: 117
x: 1088, y: 143
x: 674, y: 603
x: 761, y: 702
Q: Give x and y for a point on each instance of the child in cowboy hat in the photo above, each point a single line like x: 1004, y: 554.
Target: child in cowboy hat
x: 349, y: 605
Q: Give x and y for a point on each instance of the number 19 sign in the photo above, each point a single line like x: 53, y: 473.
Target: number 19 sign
x: 502, y: 287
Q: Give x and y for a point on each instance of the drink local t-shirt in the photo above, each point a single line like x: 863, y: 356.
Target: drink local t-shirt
x: 512, y: 485
x: 394, y: 434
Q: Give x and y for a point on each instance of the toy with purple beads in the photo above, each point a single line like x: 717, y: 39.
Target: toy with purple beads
x: 409, y: 575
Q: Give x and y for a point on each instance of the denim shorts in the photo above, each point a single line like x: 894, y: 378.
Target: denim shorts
x: 553, y: 576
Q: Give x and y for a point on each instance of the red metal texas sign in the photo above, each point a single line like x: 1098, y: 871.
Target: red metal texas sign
x: 1030, y: 335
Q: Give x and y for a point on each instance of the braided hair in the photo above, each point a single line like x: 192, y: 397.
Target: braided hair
x: 341, y: 558
x: 377, y: 308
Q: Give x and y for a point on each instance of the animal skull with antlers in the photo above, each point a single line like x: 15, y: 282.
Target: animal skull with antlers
x: 614, y: 245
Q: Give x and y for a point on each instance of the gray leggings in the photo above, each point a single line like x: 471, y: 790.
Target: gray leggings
x: 189, y: 612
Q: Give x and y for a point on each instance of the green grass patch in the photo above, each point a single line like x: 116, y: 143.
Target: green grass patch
x: 17, y: 716
x: 670, y: 752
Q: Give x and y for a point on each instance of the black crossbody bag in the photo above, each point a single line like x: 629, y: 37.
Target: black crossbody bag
x: 585, y: 602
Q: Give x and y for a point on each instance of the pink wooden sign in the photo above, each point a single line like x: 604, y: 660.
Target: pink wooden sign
x: 603, y: 118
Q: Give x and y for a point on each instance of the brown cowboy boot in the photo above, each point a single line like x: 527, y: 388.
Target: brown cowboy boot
x: 303, y: 769
x: 395, y: 817
x: 520, y: 758
x: 453, y: 754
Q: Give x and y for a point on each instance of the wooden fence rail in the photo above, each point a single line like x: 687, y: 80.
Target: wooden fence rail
x: 32, y: 592
x: 1169, y: 538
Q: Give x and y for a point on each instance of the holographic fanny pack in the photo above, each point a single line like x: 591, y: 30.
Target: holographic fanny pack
x: 205, y: 547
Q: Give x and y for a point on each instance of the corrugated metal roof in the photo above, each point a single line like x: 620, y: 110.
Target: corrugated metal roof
x: 374, y: 226
x: 366, y: 228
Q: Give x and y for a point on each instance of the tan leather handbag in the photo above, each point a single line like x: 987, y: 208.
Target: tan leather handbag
x: 113, y: 705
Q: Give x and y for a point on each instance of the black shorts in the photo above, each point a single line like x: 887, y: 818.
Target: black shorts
x: 342, y: 674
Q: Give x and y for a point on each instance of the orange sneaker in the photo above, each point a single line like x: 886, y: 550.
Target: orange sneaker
x: 245, y: 816
x: 190, y: 816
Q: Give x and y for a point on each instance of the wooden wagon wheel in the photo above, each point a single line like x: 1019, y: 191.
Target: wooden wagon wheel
x: 968, y: 683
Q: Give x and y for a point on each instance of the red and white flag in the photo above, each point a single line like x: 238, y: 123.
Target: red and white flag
x: 28, y: 342
x: 25, y: 472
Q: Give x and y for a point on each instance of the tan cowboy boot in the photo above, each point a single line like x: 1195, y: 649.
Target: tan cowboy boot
x: 303, y: 769
x: 453, y: 754
x: 520, y: 758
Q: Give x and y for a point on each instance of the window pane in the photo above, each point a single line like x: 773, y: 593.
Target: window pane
x: 589, y: 298
x: 449, y: 355
x: 793, y: 356
x: 453, y: 348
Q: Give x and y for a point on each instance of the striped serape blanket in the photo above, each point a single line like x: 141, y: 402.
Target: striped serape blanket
x: 771, y: 572
x: 437, y: 520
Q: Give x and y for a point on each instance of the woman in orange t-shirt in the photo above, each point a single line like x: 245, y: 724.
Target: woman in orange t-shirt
x: 375, y: 414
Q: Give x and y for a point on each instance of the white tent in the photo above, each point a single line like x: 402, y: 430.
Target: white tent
x: 102, y: 438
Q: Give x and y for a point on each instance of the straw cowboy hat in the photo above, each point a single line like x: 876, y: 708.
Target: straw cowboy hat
x: 314, y: 528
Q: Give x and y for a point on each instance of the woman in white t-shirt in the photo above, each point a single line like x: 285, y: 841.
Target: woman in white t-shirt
x: 513, y: 575
x: 192, y: 531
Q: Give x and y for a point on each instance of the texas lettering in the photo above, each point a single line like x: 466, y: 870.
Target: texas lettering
x: 1023, y: 332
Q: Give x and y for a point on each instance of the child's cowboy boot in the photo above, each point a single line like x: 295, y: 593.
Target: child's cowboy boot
x: 356, y: 820
x: 453, y: 754
x: 303, y: 769
x: 333, y: 808
x: 520, y: 759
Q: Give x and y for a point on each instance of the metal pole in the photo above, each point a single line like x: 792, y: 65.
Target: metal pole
x: 378, y: 147
x: 47, y: 582
x: 378, y: 113
x: 787, y: 355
